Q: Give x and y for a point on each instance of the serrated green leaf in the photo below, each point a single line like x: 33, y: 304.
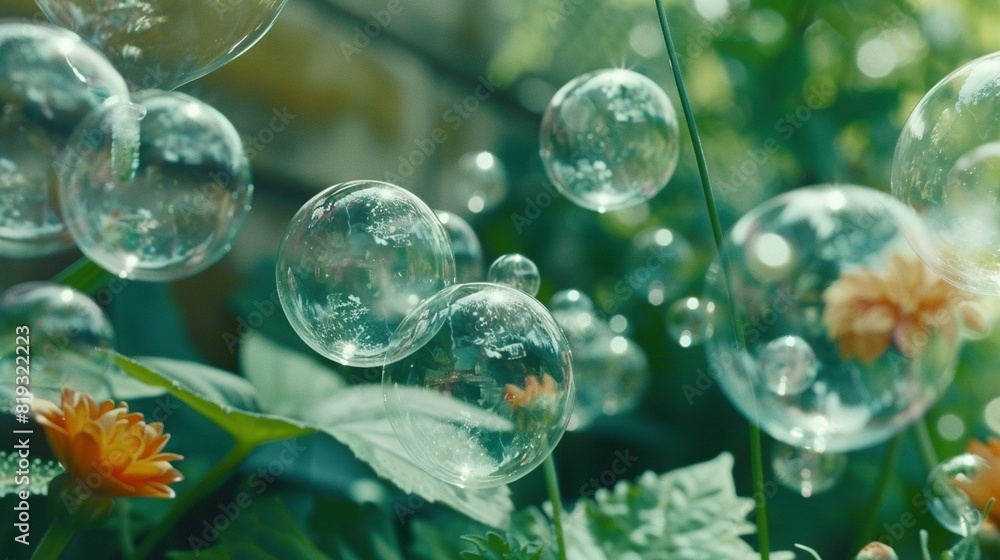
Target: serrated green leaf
x: 496, y: 547
x: 217, y: 391
x: 356, y: 417
x: 346, y: 529
x: 264, y: 531
x: 691, y: 513
x: 40, y: 474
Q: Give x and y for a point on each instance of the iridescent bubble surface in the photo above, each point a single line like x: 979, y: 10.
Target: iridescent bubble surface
x: 949, y: 504
x: 49, y: 80
x: 65, y: 342
x: 354, y: 262
x: 805, y: 471
x: 609, y: 139
x: 495, y: 365
x: 162, y: 44
x: 465, y: 247
x: 689, y: 320
x: 156, y: 189
x: 845, y: 336
x: 947, y: 168
x: 516, y: 271
x: 660, y: 265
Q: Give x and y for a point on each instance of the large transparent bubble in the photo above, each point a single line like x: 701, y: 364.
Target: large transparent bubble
x: 495, y: 367
x: 609, y: 139
x: 156, y: 189
x: 162, y: 44
x: 54, y: 336
x: 846, y: 335
x: 49, y: 81
x: 947, y: 167
x: 355, y: 261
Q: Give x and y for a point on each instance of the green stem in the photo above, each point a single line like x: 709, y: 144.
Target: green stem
x: 205, y: 486
x: 925, y: 444
x: 83, y: 276
x: 756, y: 459
x: 552, y: 482
x: 55, y: 540
x: 125, y: 527
x: 885, y: 478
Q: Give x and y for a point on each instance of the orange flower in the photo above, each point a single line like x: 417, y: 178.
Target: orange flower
x: 106, y: 448
x: 517, y: 397
x: 986, y: 484
x: 866, y: 311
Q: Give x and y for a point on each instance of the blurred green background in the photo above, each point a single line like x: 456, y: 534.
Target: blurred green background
x: 787, y: 94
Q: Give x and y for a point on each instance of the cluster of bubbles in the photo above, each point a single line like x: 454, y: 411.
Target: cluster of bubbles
x: 151, y: 185
x: 60, y: 337
x: 611, y: 371
x: 609, y: 139
x: 477, y: 376
x: 826, y: 328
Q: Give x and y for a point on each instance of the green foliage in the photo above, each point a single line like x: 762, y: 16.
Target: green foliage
x: 356, y: 416
x: 262, y: 532
x: 218, y: 394
x: 495, y: 547
x: 354, y: 531
x: 691, y: 513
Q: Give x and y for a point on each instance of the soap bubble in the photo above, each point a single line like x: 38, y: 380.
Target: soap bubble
x: 481, y: 388
x: 805, y: 471
x: 516, y: 271
x: 66, y: 342
x: 571, y: 301
x: 846, y: 335
x: 156, y: 189
x: 788, y: 365
x: 609, y: 139
x: 49, y: 80
x: 163, y: 44
x: 947, y: 167
x: 355, y: 260
x: 661, y: 265
x: 689, y: 320
x: 479, y: 181
x: 945, y: 498
x: 464, y: 246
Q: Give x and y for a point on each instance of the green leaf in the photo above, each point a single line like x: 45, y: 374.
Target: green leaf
x: 217, y: 392
x: 495, y: 547
x: 41, y: 473
x: 688, y: 514
x: 264, y: 531
x: 432, y: 541
x: 354, y: 531
x: 356, y: 417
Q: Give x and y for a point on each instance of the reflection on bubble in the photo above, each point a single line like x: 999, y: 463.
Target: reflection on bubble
x: 689, y: 320
x: 355, y: 260
x: 949, y: 504
x: 494, y: 367
x: 609, y: 139
x: 66, y: 342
